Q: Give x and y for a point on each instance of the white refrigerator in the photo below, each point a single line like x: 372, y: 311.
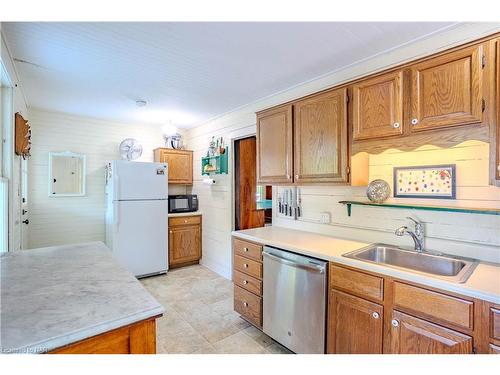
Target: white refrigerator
x: 137, y: 215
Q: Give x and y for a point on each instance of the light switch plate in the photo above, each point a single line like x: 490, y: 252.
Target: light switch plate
x: 325, y: 217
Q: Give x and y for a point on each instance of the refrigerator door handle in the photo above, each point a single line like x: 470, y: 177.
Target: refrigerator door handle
x: 116, y: 214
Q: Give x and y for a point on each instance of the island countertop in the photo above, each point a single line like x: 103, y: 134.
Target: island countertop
x: 55, y: 296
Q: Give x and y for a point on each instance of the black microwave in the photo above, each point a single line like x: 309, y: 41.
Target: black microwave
x: 182, y: 203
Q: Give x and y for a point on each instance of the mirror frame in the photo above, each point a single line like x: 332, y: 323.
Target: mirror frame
x: 84, y: 180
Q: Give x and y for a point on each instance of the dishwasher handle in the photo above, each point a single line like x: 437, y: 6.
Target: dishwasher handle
x: 310, y: 267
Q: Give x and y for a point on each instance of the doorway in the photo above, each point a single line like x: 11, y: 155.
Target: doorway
x: 253, y: 203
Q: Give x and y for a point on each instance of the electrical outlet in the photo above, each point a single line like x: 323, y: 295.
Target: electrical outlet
x: 325, y: 217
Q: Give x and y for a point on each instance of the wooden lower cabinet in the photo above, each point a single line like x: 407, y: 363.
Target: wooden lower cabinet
x: 247, y: 279
x: 410, y: 335
x: 184, y: 241
x: 137, y: 338
x: 355, y: 325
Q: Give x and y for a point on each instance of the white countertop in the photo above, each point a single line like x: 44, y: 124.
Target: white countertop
x: 484, y: 283
x: 54, y: 296
x: 182, y: 214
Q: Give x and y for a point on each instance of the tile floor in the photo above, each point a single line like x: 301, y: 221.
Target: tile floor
x: 199, y: 316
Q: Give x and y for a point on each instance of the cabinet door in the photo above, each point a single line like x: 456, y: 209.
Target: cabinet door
x: 274, y: 146
x: 320, y: 134
x: 378, y: 106
x: 354, y: 325
x: 497, y: 151
x: 410, y: 335
x: 184, y: 244
x: 447, y: 90
x: 180, y: 166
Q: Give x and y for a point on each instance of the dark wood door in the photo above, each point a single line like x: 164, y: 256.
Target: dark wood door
x: 447, y: 90
x: 320, y: 135
x: 247, y: 215
x: 377, y: 106
x: 354, y: 325
x: 275, y: 145
x: 410, y: 335
x: 184, y: 244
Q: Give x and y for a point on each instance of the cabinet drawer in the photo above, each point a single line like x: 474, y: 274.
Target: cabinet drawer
x: 247, y: 249
x: 248, y: 282
x: 248, y: 266
x: 494, y: 323
x: 359, y: 283
x: 434, y: 305
x: 184, y: 220
x: 248, y: 305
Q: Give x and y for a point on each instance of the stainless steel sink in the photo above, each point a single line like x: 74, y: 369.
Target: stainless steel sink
x: 442, y: 266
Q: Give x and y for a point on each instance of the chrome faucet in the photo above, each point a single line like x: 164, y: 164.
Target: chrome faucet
x: 418, y: 235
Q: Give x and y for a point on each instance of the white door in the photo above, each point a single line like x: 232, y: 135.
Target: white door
x: 140, y: 239
x: 138, y: 180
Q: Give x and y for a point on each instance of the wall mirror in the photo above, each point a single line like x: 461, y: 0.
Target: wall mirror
x: 67, y: 172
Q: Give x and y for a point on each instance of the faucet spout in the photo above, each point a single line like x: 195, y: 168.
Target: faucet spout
x: 417, y: 236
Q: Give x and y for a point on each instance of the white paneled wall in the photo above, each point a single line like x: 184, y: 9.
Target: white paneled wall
x: 453, y: 234
x: 64, y: 220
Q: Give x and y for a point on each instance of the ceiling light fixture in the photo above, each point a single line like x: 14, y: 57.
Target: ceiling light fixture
x: 140, y: 103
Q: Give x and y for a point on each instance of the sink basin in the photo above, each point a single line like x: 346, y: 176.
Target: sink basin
x: 436, y: 265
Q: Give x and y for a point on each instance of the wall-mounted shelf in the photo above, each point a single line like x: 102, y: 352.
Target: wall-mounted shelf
x: 214, y: 164
x: 484, y: 211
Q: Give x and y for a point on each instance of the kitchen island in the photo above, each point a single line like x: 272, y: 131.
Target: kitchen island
x: 74, y: 299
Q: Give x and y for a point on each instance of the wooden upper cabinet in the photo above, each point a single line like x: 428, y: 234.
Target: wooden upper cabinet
x: 354, y: 325
x: 378, y: 106
x: 447, y: 90
x: 320, y: 135
x: 275, y: 145
x: 497, y: 151
x: 180, y: 164
x: 410, y: 335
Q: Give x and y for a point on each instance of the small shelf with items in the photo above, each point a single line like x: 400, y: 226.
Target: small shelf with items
x: 216, y: 164
x: 470, y: 210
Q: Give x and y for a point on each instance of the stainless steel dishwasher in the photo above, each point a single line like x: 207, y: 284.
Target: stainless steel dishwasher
x: 295, y: 300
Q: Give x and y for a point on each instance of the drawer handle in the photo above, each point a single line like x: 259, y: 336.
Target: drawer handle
x: 245, y: 265
x: 185, y: 221
x: 395, y: 323
x: 395, y: 125
x: 414, y: 121
x: 245, y: 249
x: 245, y: 282
x: 375, y: 315
x: 245, y: 304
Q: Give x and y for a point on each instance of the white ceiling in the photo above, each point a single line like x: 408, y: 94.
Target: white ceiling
x: 187, y: 72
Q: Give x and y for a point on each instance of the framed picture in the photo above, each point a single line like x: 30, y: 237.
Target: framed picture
x: 426, y: 181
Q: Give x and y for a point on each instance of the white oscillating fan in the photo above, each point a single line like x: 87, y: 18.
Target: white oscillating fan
x: 130, y: 149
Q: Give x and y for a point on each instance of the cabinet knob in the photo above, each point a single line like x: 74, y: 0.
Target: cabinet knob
x: 287, y: 176
x: 375, y: 315
x: 245, y: 249
x: 395, y: 125
x: 414, y: 121
x: 297, y: 176
x: 245, y: 265
x: 170, y: 231
x: 395, y: 323
x: 185, y: 220
x: 245, y: 282
x: 245, y: 304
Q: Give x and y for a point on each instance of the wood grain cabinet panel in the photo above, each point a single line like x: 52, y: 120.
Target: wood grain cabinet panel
x: 494, y: 349
x: 378, y: 106
x: 248, y: 266
x: 436, y: 306
x: 180, y: 164
x: 447, y: 90
x: 494, y: 323
x: 275, y: 145
x: 184, y: 243
x: 137, y: 338
x: 358, y: 283
x: 320, y: 135
x: 247, y: 249
x: 355, y: 325
x: 248, y: 305
x: 247, y: 282
x: 497, y: 151
x: 410, y: 335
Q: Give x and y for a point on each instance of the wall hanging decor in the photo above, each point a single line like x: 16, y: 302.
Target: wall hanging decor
x: 426, y: 181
